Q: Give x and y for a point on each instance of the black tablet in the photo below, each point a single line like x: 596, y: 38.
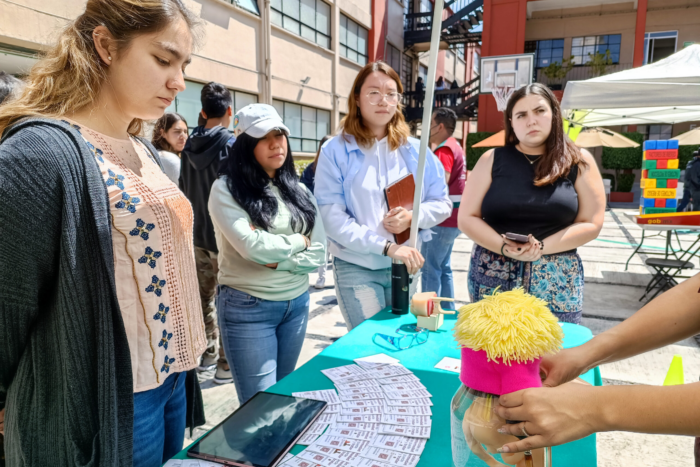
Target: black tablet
x: 260, y: 432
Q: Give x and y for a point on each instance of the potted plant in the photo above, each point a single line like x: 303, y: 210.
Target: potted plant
x: 623, y: 161
x: 556, y: 72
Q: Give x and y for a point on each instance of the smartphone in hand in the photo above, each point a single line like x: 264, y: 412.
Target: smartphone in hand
x: 517, y: 237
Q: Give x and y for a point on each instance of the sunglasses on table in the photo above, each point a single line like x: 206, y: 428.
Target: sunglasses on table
x: 404, y: 340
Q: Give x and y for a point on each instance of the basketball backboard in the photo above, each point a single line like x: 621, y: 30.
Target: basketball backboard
x: 512, y: 71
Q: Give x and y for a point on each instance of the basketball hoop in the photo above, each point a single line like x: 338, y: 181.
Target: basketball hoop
x: 502, y: 75
x: 502, y: 94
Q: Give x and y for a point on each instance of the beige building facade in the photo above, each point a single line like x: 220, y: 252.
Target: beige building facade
x: 302, y: 56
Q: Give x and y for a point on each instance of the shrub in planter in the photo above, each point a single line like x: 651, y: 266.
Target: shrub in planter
x: 624, y: 159
x: 625, y: 183
x: 473, y: 154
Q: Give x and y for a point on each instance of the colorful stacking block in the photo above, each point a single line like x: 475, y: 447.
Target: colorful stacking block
x: 647, y: 183
x: 672, y: 144
x: 659, y: 193
x: 657, y: 210
x: 656, y: 154
x: 664, y: 173
x: 660, y: 175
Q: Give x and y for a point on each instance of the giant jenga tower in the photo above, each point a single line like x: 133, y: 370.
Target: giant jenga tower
x: 660, y: 174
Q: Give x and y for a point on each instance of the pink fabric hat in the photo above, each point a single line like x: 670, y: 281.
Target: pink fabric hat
x: 496, y: 377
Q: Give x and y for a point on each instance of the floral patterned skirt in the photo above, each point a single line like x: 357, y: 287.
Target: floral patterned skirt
x: 556, y: 279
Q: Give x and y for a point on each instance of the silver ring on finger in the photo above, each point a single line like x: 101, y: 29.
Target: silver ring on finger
x: 522, y: 428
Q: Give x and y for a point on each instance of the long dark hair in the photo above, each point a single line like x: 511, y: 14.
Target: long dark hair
x: 561, y: 154
x: 163, y: 124
x: 249, y: 186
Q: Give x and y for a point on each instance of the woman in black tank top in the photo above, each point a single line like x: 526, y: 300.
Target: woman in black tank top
x: 539, y: 185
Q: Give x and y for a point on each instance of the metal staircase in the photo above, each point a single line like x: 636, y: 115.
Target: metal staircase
x: 457, y: 29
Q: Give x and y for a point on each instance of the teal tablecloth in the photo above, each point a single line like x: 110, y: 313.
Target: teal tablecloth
x: 441, y: 384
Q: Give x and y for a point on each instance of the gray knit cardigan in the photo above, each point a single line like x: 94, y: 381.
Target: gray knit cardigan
x: 65, y: 369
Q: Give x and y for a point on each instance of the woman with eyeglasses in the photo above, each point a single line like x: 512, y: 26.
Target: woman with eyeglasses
x: 372, y: 151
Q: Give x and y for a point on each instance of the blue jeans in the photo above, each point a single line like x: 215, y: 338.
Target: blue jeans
x: 262, y: 338
x: 159, y: 421
x: 362, y: 292
x: 436, y: 272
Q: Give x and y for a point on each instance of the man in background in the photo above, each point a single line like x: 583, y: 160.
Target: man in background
x: 207, y: 146
x: 436, y: 274
x: 692, y: 180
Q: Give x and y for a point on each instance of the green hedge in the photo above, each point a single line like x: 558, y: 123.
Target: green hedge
x: 625, y: 183
x: 300, y: 166
x: 624, y: 158
x: 685, y: 153
x: 618, y: 159
x: 473, y: 154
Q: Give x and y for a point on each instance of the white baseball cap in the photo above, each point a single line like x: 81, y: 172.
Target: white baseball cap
x: 257, y: 120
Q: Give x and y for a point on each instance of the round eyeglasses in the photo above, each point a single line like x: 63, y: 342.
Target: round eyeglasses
x: 392, y: 98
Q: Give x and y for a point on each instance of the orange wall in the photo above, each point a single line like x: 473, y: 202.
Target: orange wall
x: 504, y: 34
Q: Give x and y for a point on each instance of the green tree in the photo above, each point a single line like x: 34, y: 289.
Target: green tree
x: 599, y: 62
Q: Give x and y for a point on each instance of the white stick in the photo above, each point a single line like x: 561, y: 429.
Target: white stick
x: 427, y: 114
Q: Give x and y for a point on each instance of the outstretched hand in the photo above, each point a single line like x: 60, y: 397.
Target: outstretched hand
x: 550, y: 416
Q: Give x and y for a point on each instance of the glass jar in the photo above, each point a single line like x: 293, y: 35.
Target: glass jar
x: 475, y: 438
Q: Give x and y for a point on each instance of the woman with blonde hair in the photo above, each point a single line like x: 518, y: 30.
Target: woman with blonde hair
x: 99, y: 306
x: 372, y: 151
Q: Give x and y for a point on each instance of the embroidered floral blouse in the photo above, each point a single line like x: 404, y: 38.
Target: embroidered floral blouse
x: 154, y: 263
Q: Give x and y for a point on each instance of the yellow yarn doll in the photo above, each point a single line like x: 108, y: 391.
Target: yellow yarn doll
x: 503, y: 338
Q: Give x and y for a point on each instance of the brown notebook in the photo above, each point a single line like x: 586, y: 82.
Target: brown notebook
x: 400, y: 193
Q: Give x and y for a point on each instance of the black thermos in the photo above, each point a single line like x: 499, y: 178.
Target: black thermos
x: 400, y: 282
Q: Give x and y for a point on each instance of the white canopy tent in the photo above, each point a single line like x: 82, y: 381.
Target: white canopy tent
x: 667, y: 91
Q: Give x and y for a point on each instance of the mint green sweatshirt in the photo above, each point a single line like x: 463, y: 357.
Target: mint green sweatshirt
x: 244, y: 252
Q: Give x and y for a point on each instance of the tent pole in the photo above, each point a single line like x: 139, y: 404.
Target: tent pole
x: 427, y: 114
x: 400, y: 279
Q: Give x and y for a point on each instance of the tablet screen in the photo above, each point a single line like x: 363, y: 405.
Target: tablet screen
x: 260, y: 430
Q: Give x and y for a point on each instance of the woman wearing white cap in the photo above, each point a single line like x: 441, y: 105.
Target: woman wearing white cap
x: 269, y: 236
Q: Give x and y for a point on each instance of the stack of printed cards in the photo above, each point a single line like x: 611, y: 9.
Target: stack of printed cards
x: 379, y: 417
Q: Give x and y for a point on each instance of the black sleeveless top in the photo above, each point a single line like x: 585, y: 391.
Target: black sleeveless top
x: 514, y: 204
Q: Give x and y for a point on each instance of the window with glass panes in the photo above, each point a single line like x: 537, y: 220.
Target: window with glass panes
x: 546, y: 51
x: 250, y: 5
x: 306, y: 125
x: 310, y: 19
x: 188, y: 103
x: 393, y: 58
x: 582, y: 46
x: 659, y: 131
x: 353, y: 40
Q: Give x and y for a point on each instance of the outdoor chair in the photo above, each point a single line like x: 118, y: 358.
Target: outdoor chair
x: 663, y: 279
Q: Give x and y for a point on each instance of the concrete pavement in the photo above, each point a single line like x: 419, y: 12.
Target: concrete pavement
x: 611, y: 295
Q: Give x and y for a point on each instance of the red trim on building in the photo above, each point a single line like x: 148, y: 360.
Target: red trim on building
x: 376, y: 39
x: 640, y: 27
